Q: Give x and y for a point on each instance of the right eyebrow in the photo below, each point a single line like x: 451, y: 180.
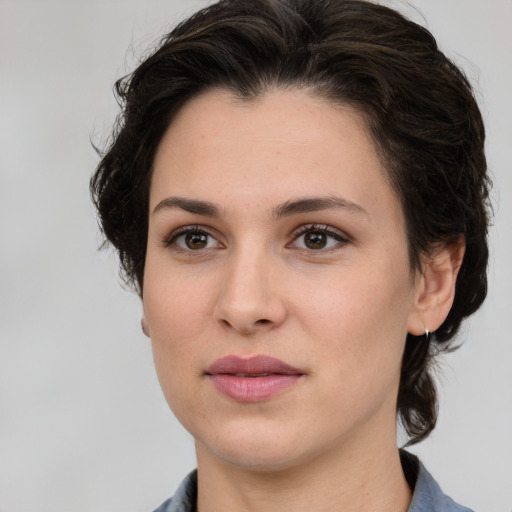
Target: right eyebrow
x: 189, y: 205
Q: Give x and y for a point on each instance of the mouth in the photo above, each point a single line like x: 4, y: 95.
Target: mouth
x: 252, y: 379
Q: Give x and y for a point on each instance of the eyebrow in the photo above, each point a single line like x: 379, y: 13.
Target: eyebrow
x: 286, y: 209
x: 190, y: 205
x: 314, y: 204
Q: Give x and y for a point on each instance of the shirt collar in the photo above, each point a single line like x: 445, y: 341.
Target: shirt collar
x: 427, y: 495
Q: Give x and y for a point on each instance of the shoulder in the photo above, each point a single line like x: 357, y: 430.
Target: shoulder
x: 185, y: 497
x: 427, y: 495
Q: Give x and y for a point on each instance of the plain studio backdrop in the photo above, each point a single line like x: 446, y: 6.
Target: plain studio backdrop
x: 83, y: 423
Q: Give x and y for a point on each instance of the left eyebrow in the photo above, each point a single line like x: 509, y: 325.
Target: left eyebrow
x: 314, y: 204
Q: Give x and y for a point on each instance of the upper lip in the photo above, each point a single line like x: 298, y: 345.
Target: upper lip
x: 255, y: 365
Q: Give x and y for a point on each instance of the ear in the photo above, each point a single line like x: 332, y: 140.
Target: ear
x: 144, y: 325
x: 435, y: 288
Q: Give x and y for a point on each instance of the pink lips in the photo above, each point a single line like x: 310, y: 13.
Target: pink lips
x: 252, y: 379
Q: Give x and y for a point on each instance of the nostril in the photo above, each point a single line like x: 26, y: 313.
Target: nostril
x: 263, y: 321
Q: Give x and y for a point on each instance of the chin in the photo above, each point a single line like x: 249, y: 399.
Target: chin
x: 266, y: 450
x: 249, y: 449
x: 268, y: 461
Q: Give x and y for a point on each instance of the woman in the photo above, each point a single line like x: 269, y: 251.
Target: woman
x: 298, y: 191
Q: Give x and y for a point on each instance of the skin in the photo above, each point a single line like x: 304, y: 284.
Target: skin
x: 340, y: 313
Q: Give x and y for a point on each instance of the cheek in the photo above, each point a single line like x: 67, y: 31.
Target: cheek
x: 175, y: 300
x: 359, y: 322
x: 176, y: 313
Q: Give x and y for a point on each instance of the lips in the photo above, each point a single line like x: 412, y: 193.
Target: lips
x: 252, y: 379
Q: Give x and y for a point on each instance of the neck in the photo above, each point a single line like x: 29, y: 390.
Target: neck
x: 362, y: 480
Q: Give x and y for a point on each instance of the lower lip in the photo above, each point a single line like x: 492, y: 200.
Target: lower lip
x: 253, y: 389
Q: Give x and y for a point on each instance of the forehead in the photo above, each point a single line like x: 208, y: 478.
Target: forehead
x: 281, y: 144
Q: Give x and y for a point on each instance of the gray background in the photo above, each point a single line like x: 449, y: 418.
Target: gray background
x: 83, y: 424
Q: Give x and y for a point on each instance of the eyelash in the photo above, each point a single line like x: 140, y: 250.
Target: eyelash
x: 186, y: 230
x: 336, y: 235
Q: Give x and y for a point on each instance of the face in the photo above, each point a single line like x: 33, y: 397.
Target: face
x: 277, y: 287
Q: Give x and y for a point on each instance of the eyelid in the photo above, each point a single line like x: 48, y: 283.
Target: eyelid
x: 334, y: 233
x: 183, y: 230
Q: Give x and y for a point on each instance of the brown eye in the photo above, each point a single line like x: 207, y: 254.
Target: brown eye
x: 196, y: 241
x: 319, y: 237
x: 193, y: 239
x: 315, y: 240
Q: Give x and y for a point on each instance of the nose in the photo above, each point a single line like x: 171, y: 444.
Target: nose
x: 250, y: 297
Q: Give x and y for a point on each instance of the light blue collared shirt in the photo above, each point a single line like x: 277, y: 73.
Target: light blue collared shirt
x: 427, y: 495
